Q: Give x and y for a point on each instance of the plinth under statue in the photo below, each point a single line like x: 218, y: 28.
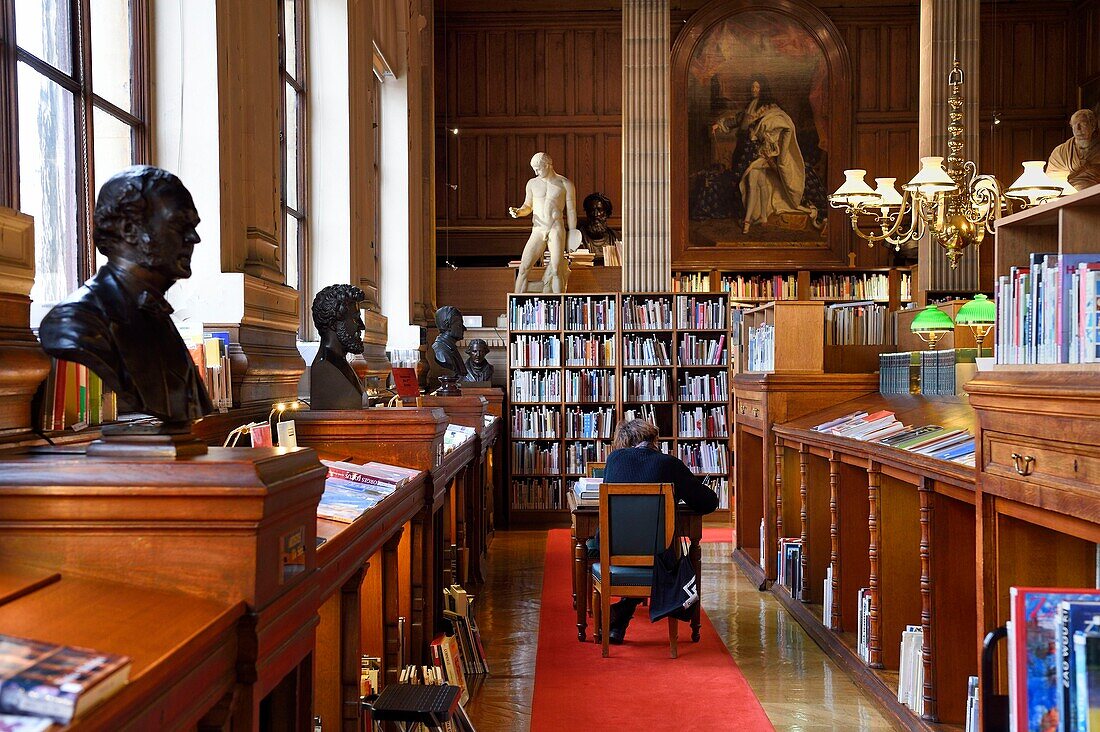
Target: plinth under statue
x: 118, y: 323
x: 551, y: 203
x: 333, y: 384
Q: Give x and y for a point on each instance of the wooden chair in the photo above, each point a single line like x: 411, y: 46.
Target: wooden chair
x: 594, y: 470
x: 636, y: 521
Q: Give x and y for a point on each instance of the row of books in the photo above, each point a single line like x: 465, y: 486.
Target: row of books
x: 43, y: 683
x: 352, y: 489
x: 827, y: 598
x: 536, y: 386
x: 456, y: 435
x: 703, y: 422
x: 590, y: 385
x: 588, y: 313
x: 937, y: 373
x: 647, y: 313
x: 721, y: 486
x: 535, y: 351
x: 589, y: 350
x: 74, y: 397
x: 458, y: 607
x: 1054, y: 659
x: 760, y: 348
x: 863, y: 624
x: 590, y: 423
x: 943, y: 443
x: 536, y: 422
x: 893, y: 373
x: 761, y: 287
x: 972, y: 705
x: 579, y: 454
x: 911, y: 669
x: 612, y: 255
x: 534, y: 314
x: 858, y: 324
x: 645, y: 351
x: 536, y: 458
x: 704, y: 387
x: 704, y: 457
x: 708, y: 313
x: 789, y: 566
x: 650, y: 385
x: 691, y: 282
x: 1049, y: 312
x: 851, y: 287
x: 536, y: 494
x: 698, y: 351
x: 210, y: 352
x: 641, y: 411
x: 437, y: 675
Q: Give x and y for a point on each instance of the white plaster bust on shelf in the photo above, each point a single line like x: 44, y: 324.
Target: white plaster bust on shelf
x: 552, y: 205
x: 1079, y: 156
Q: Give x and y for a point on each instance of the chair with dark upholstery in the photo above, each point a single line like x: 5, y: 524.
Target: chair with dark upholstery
x: 637, y: 520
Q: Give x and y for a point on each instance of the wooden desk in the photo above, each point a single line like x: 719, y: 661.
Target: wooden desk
x: 586, y: 520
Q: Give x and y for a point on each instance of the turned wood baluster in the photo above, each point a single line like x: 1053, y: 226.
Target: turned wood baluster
x: 925, y: 492
x: 803, y: 491
x: 834, y: 536
x: 874, y: 483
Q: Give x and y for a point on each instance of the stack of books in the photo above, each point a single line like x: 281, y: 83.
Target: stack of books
x: 352, y: 489
x: 911, y: 669
x: 937, y: 373
x: 863, y: 426
x: 790, y: 566
x: 44, y: 682
x: 74, y: 397
x: 447, y: 663
x: 458, y: 608
x: 1054, y: 658
x: 943, y: 443
x: 893, y: 372
x: 587, y: 491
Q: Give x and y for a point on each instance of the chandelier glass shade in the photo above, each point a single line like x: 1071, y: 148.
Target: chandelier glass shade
x: 953, y: 204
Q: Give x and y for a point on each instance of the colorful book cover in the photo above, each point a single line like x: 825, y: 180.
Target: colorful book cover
x: 344, y: 504
x: 1034, y: 612
x: 1072, y: 617
x: 1086, y: 648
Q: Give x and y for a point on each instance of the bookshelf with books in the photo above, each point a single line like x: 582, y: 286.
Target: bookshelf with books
x: 641, y: 359
x: 895, y: 524
x: 892, y: 286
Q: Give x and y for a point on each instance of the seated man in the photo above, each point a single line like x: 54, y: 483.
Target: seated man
x: 636, y: 459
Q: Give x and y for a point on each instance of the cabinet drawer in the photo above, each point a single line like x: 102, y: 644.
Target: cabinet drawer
x: 748, y: 409
x: 1049, y: 462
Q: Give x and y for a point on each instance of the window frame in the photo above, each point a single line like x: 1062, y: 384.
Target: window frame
x: 81, y: 84
x: 301, y: 212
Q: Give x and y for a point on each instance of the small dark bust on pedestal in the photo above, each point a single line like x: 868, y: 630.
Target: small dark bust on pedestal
x: 445, y: 356
x: 118, y: 323
x: 477, y: 367
x: 332, y: 382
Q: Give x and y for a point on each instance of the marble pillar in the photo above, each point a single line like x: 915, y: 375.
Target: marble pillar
x: 647, y: 231
x: 947, y: 28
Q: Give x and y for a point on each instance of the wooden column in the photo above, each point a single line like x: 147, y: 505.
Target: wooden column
x: 421, y: 97
x: 874, y: 483
x: 391, y: 610
x: 421, y: 623
x: 647, y: 232
x: 804, y: 493
x: 834, y: 535
x: 926, y: 618
x: 9, y: 121
x: 351, y: 651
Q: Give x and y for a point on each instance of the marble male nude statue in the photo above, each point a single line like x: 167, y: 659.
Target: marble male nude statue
x: 552, y: 205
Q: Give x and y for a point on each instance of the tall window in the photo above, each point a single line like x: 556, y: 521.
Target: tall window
x: 293, y: 65
x: 82, y: 117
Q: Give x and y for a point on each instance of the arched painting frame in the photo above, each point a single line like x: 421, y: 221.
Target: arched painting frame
x: 767, y: 158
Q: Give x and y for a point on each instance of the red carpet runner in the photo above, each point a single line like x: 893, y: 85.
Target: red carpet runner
x: 639, y: 686
x: 717, y: 535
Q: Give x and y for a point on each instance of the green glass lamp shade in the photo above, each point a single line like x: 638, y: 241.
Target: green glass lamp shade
x: 932, y: 320
x: 979, y: 311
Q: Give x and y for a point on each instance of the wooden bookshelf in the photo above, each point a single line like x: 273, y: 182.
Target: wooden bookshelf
x: 615, y: 368
x: 898, y: 523
x: 893, y: 285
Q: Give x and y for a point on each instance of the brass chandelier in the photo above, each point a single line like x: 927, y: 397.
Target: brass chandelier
x: 956, y: 206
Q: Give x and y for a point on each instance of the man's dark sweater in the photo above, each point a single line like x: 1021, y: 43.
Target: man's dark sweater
x: 643, y: 465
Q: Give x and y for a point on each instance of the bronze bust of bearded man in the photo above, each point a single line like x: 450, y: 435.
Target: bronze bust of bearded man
x: 118, y: 324
x: 333, y: 384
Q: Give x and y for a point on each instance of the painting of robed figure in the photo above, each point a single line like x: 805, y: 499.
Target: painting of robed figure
x: 758, y: 133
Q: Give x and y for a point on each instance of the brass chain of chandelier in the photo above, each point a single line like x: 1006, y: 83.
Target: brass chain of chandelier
x: 956, y: 206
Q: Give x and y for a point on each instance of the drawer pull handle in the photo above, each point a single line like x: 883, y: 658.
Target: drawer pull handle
x: 755, y: 412
x: 1023, y: 463
x: 742, y: 409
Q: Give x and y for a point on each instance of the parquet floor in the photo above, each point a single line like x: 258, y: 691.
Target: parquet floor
x: 799, y: 687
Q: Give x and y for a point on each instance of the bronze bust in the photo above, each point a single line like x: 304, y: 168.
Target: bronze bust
x: 445, y: 348
x: 477, y: 367
x: 595, y: 233
x: 117, y: 324
x: 332, y: 382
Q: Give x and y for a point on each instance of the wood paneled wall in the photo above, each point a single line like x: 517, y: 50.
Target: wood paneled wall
x: 514, y: 84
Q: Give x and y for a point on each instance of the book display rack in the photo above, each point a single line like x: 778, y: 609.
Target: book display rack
x: 661, y: 356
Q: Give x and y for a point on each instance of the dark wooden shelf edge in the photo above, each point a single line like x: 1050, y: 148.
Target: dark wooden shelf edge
x: 750, y: 568
x: 845, y: 657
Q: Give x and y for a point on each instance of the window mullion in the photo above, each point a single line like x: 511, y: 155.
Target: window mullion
x: 84, y: 132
